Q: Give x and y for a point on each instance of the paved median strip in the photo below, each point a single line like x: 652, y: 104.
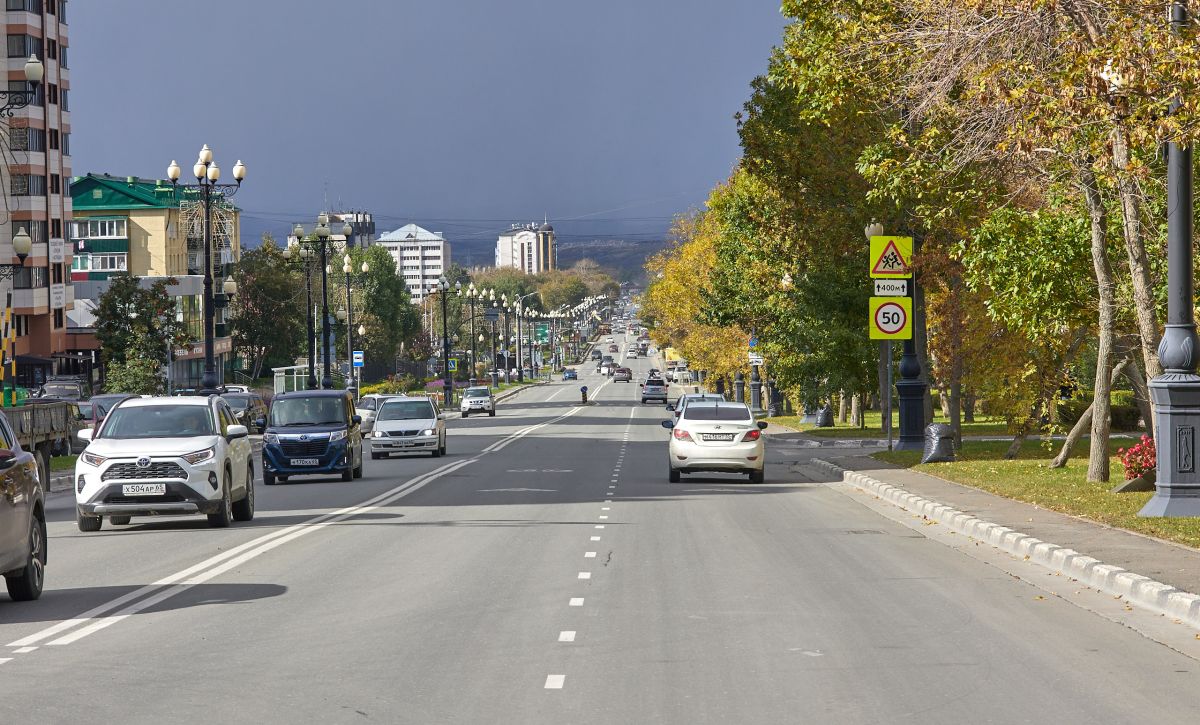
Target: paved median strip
x: 1133, y: 588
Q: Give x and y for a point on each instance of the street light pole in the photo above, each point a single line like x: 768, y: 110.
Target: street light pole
x: 347, y: 230
x: 1176, y: 393
x: 207, y: 175
x: 444, y: 288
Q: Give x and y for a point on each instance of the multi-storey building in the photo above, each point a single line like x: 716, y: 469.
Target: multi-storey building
x: 529, y: 248
x: 35, y: 177
x: 422, y: 257
x: 151, y: 230
x: 362, y: 222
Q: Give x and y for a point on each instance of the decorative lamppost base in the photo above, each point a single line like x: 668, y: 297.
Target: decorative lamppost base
x: 911, y: 394
x: 1176, y: 398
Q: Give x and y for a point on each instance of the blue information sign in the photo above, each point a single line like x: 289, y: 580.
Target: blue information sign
x: 358, y: 358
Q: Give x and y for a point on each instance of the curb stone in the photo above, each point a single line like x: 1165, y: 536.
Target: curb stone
x: 1132, y: 587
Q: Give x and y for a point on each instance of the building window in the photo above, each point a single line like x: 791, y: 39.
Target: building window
x: 51, y: 49
x: 56, y: 228
x: 52, y: 7
x: 55, y: 184
x: 52, y: 93
x: 21, y: 325
x: 23, y: 46
x: 62, y: 57
x: 27, y: 139
x: 107, y: 262
x: 98, y: 229
x: 27, y: 185
x: 36, y: 229
x: 66, y: 144
x: 39, y: 96
x: 80, y: 262
x: 53, y: 137
x: 57, y: 274
x: 30, y: 278
x: 58, y: 319
x: 29, y: 6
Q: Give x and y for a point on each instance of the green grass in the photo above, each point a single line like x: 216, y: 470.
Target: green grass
x: 62, y: 463
x: 983, y: 426
x: 1029, y: 478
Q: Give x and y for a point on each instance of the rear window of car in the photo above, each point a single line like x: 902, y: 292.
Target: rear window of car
x: 703, y: 411
x: 655, y: 381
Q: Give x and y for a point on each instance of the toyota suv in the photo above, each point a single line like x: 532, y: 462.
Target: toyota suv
x: 311, y: 432
x: 165, y: 456
x: 22, y: 519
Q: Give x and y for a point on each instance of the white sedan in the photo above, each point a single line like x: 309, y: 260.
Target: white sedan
x: 716, y: 436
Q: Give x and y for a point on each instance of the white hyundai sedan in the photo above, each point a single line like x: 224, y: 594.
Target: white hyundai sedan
x: 716, y: 436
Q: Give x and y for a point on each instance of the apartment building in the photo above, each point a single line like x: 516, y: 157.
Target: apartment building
x: 530, y: 248
x: 152, y: 230
x: 422, y: 257
x: 36, y: 175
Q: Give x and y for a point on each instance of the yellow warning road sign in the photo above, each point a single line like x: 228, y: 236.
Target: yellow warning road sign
x: 891, y: 257
x: 891, y: 318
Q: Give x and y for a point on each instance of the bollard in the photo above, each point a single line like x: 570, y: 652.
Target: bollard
x: 583, y: 394
x: 739, y: 387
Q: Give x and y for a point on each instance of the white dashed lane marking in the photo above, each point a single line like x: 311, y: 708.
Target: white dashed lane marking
x: 585, y: 575
x: 595, y: 538
x: 575, y: 602
x: 555, y: 682
x: 589, y: 555
x: 566, y: 636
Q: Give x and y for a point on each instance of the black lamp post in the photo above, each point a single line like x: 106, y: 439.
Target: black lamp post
x: 14, y: 100
x: 507, y: 307
x: 443, y: 286
x: 207, y: 175
x: 319, y: 245
x: 302, y: 255
x: 1176, y: 393
x: 347, y: 315
x: 472, y: 294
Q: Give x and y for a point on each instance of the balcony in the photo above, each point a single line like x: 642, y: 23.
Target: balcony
x: 31, y: 301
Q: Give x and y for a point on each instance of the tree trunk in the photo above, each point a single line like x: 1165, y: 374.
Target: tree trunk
x: 1084, y: 422
x: 968, y: 406
x: 1015, y: 447
x: 1141, y: 394
x: 1135, y: 247
x: 956, y: 401
x: 944, y: 400
x: 1098, y: 463
x: 843, y: 406
x: 856, y: 409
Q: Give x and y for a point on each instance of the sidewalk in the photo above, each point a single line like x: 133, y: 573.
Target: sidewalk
x: 1172, y: 564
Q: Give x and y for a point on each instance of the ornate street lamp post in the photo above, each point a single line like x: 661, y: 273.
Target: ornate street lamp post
x: 15, y: 100
x: 302, y: 255
x: 207, y: 175
x: 347, y: 315
x: 320, y: 246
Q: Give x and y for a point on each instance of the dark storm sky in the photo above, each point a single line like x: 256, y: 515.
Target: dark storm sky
x: 460, y: 115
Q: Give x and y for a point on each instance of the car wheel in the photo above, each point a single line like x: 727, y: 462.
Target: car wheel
x: 491, y: 414
x: 376, y: 456
x: 643, y: 401
x: 268, y: 477
x: 464, y: 414
x: 88, y: 523
x: 348, y: 472
x: 358, y: 468
x: 224, y: 517
x: 672, y: 474
x: 27, y: 586
x: 757, y: 476
x: 244, y: 510
x: 437, y: 452
x: 120, y: 520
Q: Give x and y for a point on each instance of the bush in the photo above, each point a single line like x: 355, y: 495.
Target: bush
x: 1125, y: 417
x: 1140, y: 458
x: 394, y: 385
x: 1123, y: 397
x: 1068, y: 412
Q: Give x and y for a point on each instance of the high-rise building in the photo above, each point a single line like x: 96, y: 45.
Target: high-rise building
x: 152, y: 230
x: 362, y: 222
x: 422, y: 257
x: 36, y: 178
x: 530, y: 248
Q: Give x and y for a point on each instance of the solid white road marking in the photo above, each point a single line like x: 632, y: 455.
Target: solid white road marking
x: 5, y: 659
x: 602, y: 518
x: 566, y: 636
x: 575, y: 602
x: 24, y: 650
x: 599, y: 526
x: 605, y: 508
x: 585, y: 575
x: 589, y: 555
x: 555, y: 682
x: 595, y: 538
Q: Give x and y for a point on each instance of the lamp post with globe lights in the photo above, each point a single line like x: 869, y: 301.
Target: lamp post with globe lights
x: 15, y: 100
x: 208, y: 174
x: 318, y: 251
x: 302, y: 255
x: 347, y: 315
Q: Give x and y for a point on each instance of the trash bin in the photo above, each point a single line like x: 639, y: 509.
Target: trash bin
x: 825, y: 417
x: 939, y: 444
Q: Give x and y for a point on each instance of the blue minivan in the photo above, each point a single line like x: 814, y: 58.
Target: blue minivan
x: 311, y: 432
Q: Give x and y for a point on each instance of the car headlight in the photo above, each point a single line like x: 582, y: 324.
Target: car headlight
x: 427, y: 432
x: 200, y: 456
x: 337, y: 435
x: 270, y: 438
x: 378, y: 434
x: 92, y: 459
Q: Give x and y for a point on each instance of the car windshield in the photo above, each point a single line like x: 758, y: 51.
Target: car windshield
x: 406, y: 410
x: 85, y: 409
x: 103, y: 406
x: 60, y: 390
x: 237, y: 402
x: 365, y: 404
x: 159, y: 421
x: 702, y: 411
x: 322, y: 410
x: 477, y: 392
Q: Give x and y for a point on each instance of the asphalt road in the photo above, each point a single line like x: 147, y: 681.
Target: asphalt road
x: 546, y: 572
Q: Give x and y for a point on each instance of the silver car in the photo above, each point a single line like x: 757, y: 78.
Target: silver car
x: 408, y: 425
x: 477, y: 400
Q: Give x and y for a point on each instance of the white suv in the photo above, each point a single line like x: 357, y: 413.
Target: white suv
x: 165, y: 456
x: 477, y: 400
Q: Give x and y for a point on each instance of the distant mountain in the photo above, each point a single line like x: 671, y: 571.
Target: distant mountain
x: 626, y: 258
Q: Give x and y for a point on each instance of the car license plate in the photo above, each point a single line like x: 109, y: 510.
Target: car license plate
x: 718, y: 436
x: 304, y: 461
x: 144, y: 489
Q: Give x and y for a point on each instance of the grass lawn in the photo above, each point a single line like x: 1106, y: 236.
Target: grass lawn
x: 62, y: 463
x: 1029, y: 478
x: 983, y: 426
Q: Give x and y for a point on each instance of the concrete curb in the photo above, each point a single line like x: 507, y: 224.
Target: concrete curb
x: 1132, y: 587
x: 510, y: 393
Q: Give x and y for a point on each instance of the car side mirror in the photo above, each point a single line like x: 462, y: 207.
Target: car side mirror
x: 668, y: 424
x: 86, y: 434
x: 762, y: 424
x: 7, y: 459
x: 234, y: 432
x: 260, y: 422
x: 356, y: 419
x: 670, y: 406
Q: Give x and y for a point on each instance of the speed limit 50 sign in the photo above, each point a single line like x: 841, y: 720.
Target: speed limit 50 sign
x: 891, y: 318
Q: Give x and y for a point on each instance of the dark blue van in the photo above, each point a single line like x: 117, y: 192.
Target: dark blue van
x: 311, y: 432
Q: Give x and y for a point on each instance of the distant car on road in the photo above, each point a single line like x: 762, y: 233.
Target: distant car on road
x: 631, y: 353
x: 683, y: 400
x: 623, y: 375
x: 570, y: 374
x: 654, y: 389
x: 247, y: 408
x: 614, y: 348
x: 22, y: 519
x: 719, y: 436
x: 596, y: 353
x: 408, y: 425
x: 477, y: 400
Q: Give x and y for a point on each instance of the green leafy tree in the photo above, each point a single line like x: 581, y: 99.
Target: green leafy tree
x: 268, y: 311
x: 381, y: 305
x: 137, y: 375
x: 137, y: 321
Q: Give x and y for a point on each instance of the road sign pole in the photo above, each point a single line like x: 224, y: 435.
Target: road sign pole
x: 912, y: 391
x: 887, y: 421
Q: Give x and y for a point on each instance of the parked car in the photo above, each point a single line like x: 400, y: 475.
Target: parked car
x: 477, y: 400
x: 407, y: 425
x: 247, y: 408
x: 682, y: 401
x: 717, y: 436
x: 165, y: 456
x: 623, y: 375
x: 312, y: 432
x: 236, y: 389
x: 570, y: 374
x: 22, y: 519
x: 654, y: 389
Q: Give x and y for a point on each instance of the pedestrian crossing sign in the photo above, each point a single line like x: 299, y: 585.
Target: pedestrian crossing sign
x: 453, y: 364
x: 891, y: 257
